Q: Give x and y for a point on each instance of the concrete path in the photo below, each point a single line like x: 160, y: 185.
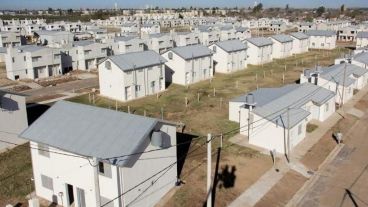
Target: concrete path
x: 260, y: 188
x: 11, y: 138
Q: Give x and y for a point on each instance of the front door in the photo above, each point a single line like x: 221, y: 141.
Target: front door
x: 128, y: 93
x: 70, y: 194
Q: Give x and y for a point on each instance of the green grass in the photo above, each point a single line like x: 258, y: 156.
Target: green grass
x: 15, y: 174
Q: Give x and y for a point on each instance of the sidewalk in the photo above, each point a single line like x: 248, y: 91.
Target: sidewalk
x: 259, y: 189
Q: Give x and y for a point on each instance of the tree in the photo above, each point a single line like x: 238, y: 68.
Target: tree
x: 70, y: 11
x: 50, y: 10
x: 287, y: 7
x: 258, y: 8
x: 181, y: 16
x: 320, y: 10
x: 342, y: 8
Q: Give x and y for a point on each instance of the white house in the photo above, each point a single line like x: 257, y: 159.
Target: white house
x: 300, y: 42
x: 282, y: 46
x: 188, y: 64
x: 342, y: 79
x: 132, y: 75
x: 322, y: 39
x: 13, y: 118
x: 227, y: 32
x: 277, y: 26
x: 276, y: 118
x: 242, y: 33
x: 259, y: 50
x: 360, y: 59
x: 362, y: 39
x: 347, y: 34
x: 306, y: 26
x: 11, y: 39
x: 185, y: 38
x: 121, y: 45
x: 32, y: 28
x: 89, y: 156
x: 87, y: 53
x: 207, y: 34
x: 159, y: 43
x: 32, y: 62
x: 129, y: 28
x: 229, y: 56
x: 150, y: 29
x: 55, y: 38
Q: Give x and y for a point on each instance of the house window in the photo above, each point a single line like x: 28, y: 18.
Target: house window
x: 43, y: 150
x: 300, y: 129
x: 47, y: 182
x: 137, y: 88
x: 34, y: 59
x: 101, y: 167
x: 24, y: 58
x: 327, y: 107
x: 170, y: 55
x: 108, y: 65
x: 13, y: 60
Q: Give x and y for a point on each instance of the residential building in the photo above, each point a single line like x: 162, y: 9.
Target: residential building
x: 242, y: 33
x: 159, y: 43
x: 121, y: 45
x: 132, y: 75
x: 322, y: 39
x: 282, y: 46
x: 150, y: 29
x: 276, y: 118
x: 32, y: 62
x: 362, y: 39
x: 277, y: 26
x: 342, y: 79
x: 227, y: 32
x: 259, y: 50
x: 88, y: 156
x: 11, y: 39
x: 229, y: 56
x: 185, y: 39
x: 87, y: 53
x: 129, y: 28
x: 55, y: 38
x: 207, y: 34
x: 306, y: 26
x: 300, y: 42
x: 347, y: 34
x: 188, y: 64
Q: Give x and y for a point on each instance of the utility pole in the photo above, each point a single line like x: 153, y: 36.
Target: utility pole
x: 288, y: 134
x: 343, y: 86
x: 97, y: 182
x: 209, y: 177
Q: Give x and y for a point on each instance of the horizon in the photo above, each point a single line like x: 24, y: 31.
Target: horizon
x: 174, y: 4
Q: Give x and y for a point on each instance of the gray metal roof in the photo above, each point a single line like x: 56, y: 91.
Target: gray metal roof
x: 53, y: 33
x: 241, y: 29
x: 31, y: 48
x: 272, y: 104
x: 326, y: 33
x: 361, y: 57
x: 192, y: 51
x: 232, y: 45
x: 336, y: 73
x: 125, y: 38
x: 137, y: 60
x: 92, y: 131
x: 362, y: 35
x: 83, y: 42
x: 299, y: 35
x: 282, y: 38
x: 259, y: 41
x: 2, y: 49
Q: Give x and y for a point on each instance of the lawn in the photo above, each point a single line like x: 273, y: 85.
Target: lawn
x: 15, y: 175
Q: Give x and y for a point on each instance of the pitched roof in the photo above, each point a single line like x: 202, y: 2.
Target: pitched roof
x: 282, y: 38
x: 327, y: 33
x: 125, y: 38
x: 272, y: 104
x: 92, y: 131
x: 83, y: 42
x: 361, y: 57
x: 362, y: 35
x: 53, y: 33
x: 299, y: 35
x: 31, y: 48
x: 137, y: 60
x: 259, y: 41
x: 192, y: 51
x: 232, y: 45
x: 336, y: 73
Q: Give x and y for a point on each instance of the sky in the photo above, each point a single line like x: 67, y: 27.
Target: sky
x: 76, y: 4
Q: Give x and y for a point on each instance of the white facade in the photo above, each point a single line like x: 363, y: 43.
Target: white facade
x: 126, y: 45
x: 56, y: 176
x: 322, y: 42
x: 281, y: 49
x: 55, y: 38
x: 259, y: 55
x: 128, y: 85
x: 150, y: 29
x: 159, y: 43
x: 362, y: 39
x: 187, y: 71
x: 11, y: 39
x: 185, y: 39
x: 300, y: 45
x: 86, y: 56
x: 32, y: 62
x: 228, y: 61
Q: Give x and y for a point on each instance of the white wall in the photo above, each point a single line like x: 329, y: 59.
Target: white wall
x: 361, y: 42
x: 281, y: 50
x: 13, y: 113
x: 300, y: 46
x: 322, y: 42
x: 259, y: 55
x: 229, y: 62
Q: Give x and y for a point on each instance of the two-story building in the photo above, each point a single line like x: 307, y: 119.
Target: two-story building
x: 322, y: 39
x: 282, y: 46
x: 11, y: 39
x: 259, y: 50
x: 159, y: 43
x: 121, y: 45
x: 362, y: 39
x: 87, y: 53
x: 188, y: 64
x: 300, y: 42
x: 132, y: 75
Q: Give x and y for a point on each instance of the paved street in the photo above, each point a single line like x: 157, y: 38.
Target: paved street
x: 343, y: 180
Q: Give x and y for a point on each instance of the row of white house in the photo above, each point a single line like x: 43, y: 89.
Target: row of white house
x: 276, y: 118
